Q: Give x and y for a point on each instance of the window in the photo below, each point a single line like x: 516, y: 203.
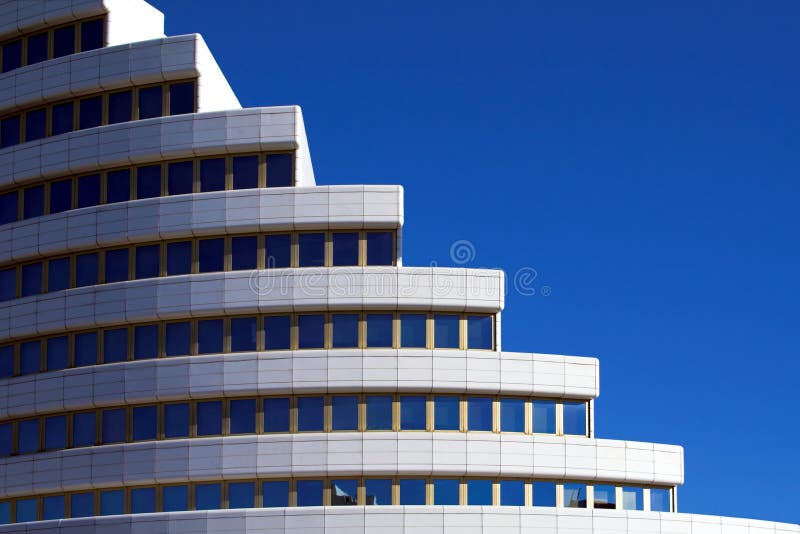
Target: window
x: 178, y: 339
x: 380, y: 248
x: 175, y: 498
x: 344, y: 492
x: 245, y: 172
x: 512, y: 493
x: 150, y: 102
x: 148, y: 181
x: 26, y: 510
x: 145, y: 342
x: 143, y: 500
x: 445, y: 331
x: 6, y: 361
x: 379, y: 412
x: 544, y: 493
x: 574, y: 495
x: 310, y: 414
x: 37, y: 48
x: 86, y: 269
x: 241, y: 495
x: 55, y: 432
x: 176, y: 420
x: 479, y: 332
x: 58, y: 274
x: 209, y: 336
x: 53, y: 507
x: 120, y: 107
x: 378, y: 491
x: 88, y: 190
x: 28, y: 436
x: 114, y: 426
x: 632, y: 498
x: 209, y: 418
x: 8, y: 207
x: 81, y: 504
x: 345, y: 330
x: 118, y: 186
x: 208, y: 496
x: 179, y: 258
x: 276, y: 415
x: 479, y: 492
x: 83, y: 429
x: 30, y: 357
x: 145, y: 423
x: 660, y: 500
x: 575, y: 418
x: 412, y: 412
x: 605, y: 497
x: 9, y: 131
x: 243, y: 334
x: 212, y: 174
x: 61, y: 196
x: 412, y: 491
x: 280, y: 170
x: 312, y: 250
x: 445, y: 491
x: 12, y: 55
x: 180, y: 177
x: 277, y: 329
x: 5, y: 512
x: 8, y: 284
x: 92, y: 36
x: 309, y: 492
x: 6, y: 445
x: 275, y: 494
x: 244, y: 253
x: 345, y: 248
x: 90, y: 112
x: 64, y: 41
x: 446, y: 413
x: 181, y: 98
x: 344, y: 412
x: 33, y: 205
x: 412, y: 330
x: 36, y: 124
x: 242, y: 416
x: 279, y: 251
x: 479, y: 414
x: 115, y: 345
x: 147, y: 261
x: 62, y: 119
x: 544, y: 417
x: 116, y: 265
x: 211, y: 255
x: 512, y: 415
x: 311, y: 331
x: 379, y: 329
x: 31, y: 279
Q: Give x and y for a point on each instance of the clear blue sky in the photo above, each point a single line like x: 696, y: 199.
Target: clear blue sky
x: 643, y: 157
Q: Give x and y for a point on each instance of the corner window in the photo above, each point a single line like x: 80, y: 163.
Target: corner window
x: 575, y: 418
x: 660, y: 500
x: 280, y: 170
x: 92, y: 36
x: 181, y: 98
x: 479, y: 332
x: 380, y: 248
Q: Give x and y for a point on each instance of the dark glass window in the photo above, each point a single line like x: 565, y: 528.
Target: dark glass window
x: 412, y: 330
x: 115, y: 345
x: 179, y: 258
x: 33, y: 205
x: 412, y: 412
x: 175, y: 499
x: 57, y: 353
x: 209, y: 418
x: 112, y: 502
x: 176, y: 420
x: 605, y: 497
x: 445, y: 331
x: 275, y: 494
x: 245, y: 172
x: 26, y: 510
x: 147, y: 261
x: 85, y: 349
x: 544, y: 417
x: 83, y: 429
x: 310, y: 331
x: 379, y: 330
x: 660, y: 500
x: 61, y: 196
x: 148, y: 181
x: 5, y: 440
x: 145, y: 423
x: 279, y: 251
x: 310, y: 412
x: 180, y: 176
x: 62, y: 118
x: 181, y: 98
x: 6, y: 361
x: 380, y: 248
x: 58, y: 274
x: 378, y: 491
x: 5, y: 512
x: 30, y: 357
x: 208, y: 496
x: 55, y: 432
x: 37, y: 48
x: 446, y: 413
x: 379, y: 412
x: 178, y: 339
x: 64, y: 41
x: 344, y: 412
x: 9, y: 131
x: 116, y: 265
x: 244, y: 253
x: 309, y: 493
x: 143, y: 500
x: 90, y: 112
x: 243, y: 416
x: 574, y: 495
x: 512, y: 493
x: 412, y: 491
x: 114, y: 425
x: 145, y: 342
x: 276, y: 414
x: 211, y: 255
x: 512, y: 415
x: 212, y: 174
x: 35, y: 124
x: 31, y: 279
x: 479, y: 492
x: 575, y: 418
x: 344, y: 492
x: 28, y: 436
x: 53, y: 507
x: 280, y: 169
x: 544, y: 494
x: 12, y: 55
x: 312, y: 250
x: 81, y: 504
x: 8, y: 207
x: 241, y: 495
x: 92, y: 36
x: 209, y: 336
x: 150, y: 104
x: 479, y: 332
x: 345, y: 248
x: 86, y: 270
x: 479, y: 414
x: 8, y: 284
x: 120, y: 106
x: 345, y: 330
x: 277, y: 330
x: 118, y: 186
x: 243, y: 334
x: 88, y: 191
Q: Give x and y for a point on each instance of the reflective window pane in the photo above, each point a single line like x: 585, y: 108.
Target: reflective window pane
x: 26, y: 510
x: 114, y: 425
x: 245, y: 172
x: 575, y: 418
x: 605, y: 497
x: 312, y: 250
x: 544, y: 494
x: 208, y: 496
x: 61, y: 196
x: 276, y: 414
x: 379, y: 329
x: 244, y: 253
x: 280, y: 169
x: 344, y: 412
x: 310, y: 414
x: 178, y: 339
x: 150, y: 104
x: 5, y: 512
x: 379, y: 412
x: 412, y: 330
x: 275, y: 494
x: 632, y: 498
x: 479, y: 414
x: 145, y: 423
x: 479, y: 332
x: 380, y: 248
x: 148, y: 181
x: 88, y: 191
x: 53, y: 507
x: 9, y: 131
x: 31, y: 279
x: 28, y: 436
x: 120, y: 107
x: 86, y: 269
x: 179, y: 258
x: 512, y: 415
x: 660, y: 500
x: 175, y: 498
x: 181, y: 98
x: 479, y: 492
x: 512, y: 493
x: 445, y: 331
x: 378, y: 491
x: 37, y: 48
x: 412, y: 412
x: 92, y: 36
x: 277, y: 329
x: 445, y: 491
x: 345, y: 330
x: 176, y: 420
x: 446, y: 413
x: 145, y: 342
x: 412, y: 491
x: 116, y: 265
x: 209, y: 336
x: 62, y: 118
x: 544, y: 416
x: 33, y: 202
x: 8, y: 284
x: 55, y: 432
x: 35, y: 124
x: 81, y: 504
x: 345, y: 248
x: 574, y: 495
x: 243, y: 416
x: 309, y: 492
x: 243, y: 334
x: 143, y: 500
x: 344, y: 492
x: 212, y: 174
x: 278, y: 251
x: 64, y: 41
x: 83, y: 429
x: 12, y: 55
x: 211, y: 255
x: 241, y: 495
x: 209, y: 418
x: 30, y: 357
x: 180, y: 176
x: 58, y: 275
x: 6, y: 441
x: 311, y: 331
x: 6, y: 361
x: 118, y: 186
x: 90, y: 112
x: 8, y: 207
x: 147, y: 261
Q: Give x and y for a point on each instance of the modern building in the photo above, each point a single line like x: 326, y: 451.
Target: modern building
x: 195, y: 337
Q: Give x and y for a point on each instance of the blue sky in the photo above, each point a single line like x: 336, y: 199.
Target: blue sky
x: 642, y: 157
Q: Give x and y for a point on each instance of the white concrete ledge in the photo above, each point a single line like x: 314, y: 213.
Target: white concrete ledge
x: 343, y: 454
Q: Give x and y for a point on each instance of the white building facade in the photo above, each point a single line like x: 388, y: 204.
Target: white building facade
x: 195, y: 337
